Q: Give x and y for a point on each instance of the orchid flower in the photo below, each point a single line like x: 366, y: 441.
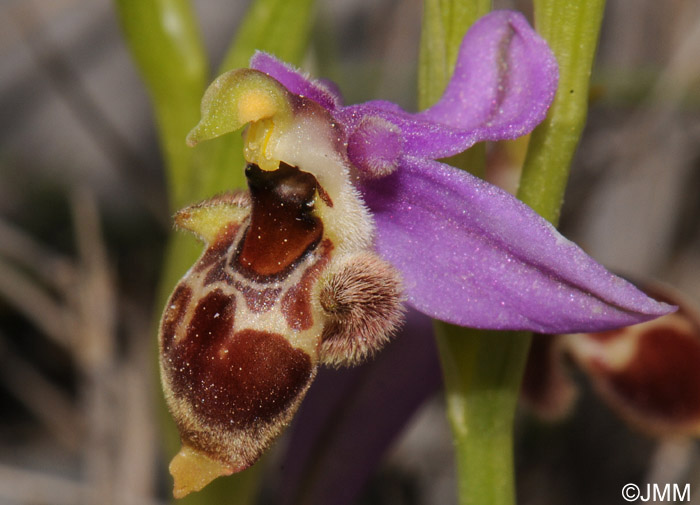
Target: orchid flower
x: 647, y: 373
x: 349, y: 215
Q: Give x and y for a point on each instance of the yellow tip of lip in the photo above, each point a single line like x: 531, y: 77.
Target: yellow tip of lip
x: 192, y: 470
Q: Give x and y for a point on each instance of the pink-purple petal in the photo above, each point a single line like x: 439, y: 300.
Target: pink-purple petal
x: 504, y: 80
x: 503, y: 84
x: 473, y: 255
x: 421, y: 137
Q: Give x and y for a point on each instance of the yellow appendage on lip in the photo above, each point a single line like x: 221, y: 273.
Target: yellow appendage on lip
x: 192, y: 470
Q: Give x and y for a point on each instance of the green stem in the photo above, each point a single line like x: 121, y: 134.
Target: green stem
x: 281, y: 27
x: 483, y: 370
x: 444, y: 24
x: 571, y: 28
x: 166, y: 46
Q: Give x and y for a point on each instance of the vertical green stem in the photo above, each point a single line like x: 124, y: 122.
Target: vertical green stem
x: 165, y: 43
x: 482, y: 369
x: 571, y: 28
x: 444, y: 24
x: 281, y: 27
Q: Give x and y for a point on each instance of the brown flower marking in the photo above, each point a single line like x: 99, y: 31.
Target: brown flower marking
x: 649, y: 373
x: 174, y: 313
x: 282, y: 229
x: 296, y: 303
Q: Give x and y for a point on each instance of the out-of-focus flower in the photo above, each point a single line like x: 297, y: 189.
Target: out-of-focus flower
x: 348, y: 214
x: 649, y: 373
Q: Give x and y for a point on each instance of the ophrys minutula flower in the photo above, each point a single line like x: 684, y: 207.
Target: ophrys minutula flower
x: 347, y: 216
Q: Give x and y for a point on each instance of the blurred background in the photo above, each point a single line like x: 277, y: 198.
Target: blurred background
x: 83, y: 225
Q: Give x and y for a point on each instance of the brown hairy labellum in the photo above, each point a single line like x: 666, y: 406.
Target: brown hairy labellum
x: 277, y: 291
x: 649, y: 373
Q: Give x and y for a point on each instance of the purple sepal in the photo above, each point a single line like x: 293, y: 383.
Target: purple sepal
x: 504, y: 82
x: 473, y: 255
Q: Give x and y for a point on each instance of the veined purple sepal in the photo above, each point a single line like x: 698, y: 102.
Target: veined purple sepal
x: 473, y: 255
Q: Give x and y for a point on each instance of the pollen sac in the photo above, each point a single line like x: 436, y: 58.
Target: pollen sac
x: 271, y: 297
